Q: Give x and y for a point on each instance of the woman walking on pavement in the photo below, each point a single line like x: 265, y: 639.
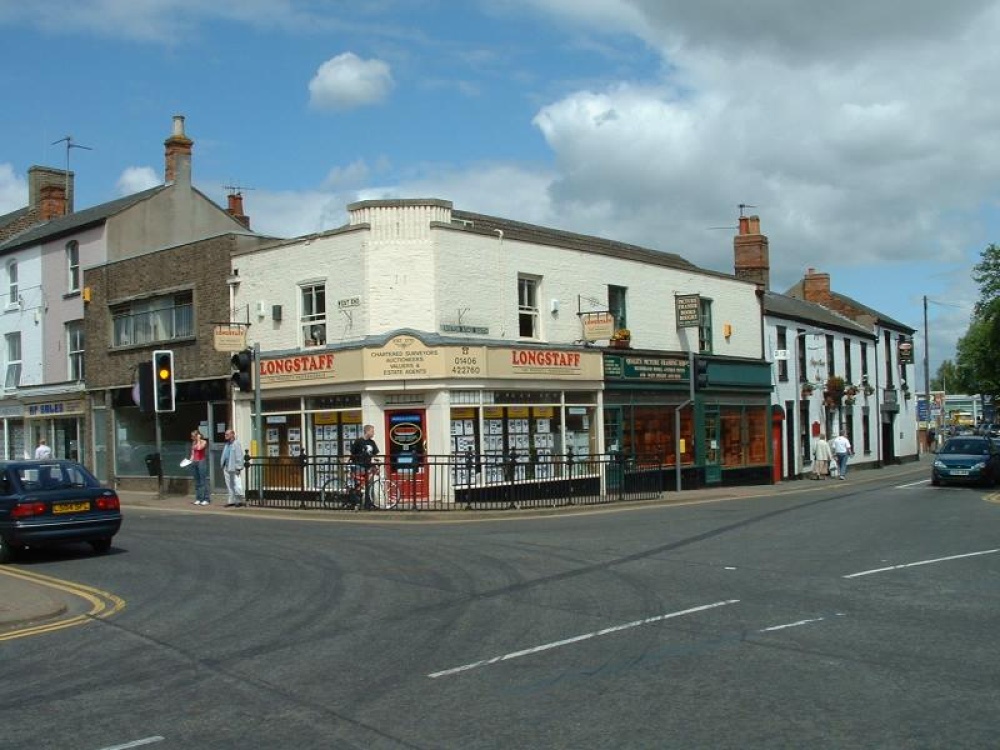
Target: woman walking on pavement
x: 821, y: 458
x: 199, y: 467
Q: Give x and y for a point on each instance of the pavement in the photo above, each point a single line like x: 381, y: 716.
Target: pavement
x: 27, y: 600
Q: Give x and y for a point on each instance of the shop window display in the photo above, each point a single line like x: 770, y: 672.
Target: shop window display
x: 744, y: 436
x: 648, y: 433
x: 520, y: 442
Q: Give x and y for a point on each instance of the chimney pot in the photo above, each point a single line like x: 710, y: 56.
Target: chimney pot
x: 235, y: 209
x: 178, y: 154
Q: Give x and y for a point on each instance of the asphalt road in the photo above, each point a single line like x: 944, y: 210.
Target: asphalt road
x: 852, y: 615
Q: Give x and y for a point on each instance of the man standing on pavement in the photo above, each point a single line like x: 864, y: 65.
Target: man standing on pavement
x: 363, y: 452
x: 232, y: 465
x: 43, y: 452
x: 841, y: 451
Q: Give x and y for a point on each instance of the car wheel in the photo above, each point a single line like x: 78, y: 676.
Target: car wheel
x: 101, y: 546
x: 935, y: 481
x: 7, y: 551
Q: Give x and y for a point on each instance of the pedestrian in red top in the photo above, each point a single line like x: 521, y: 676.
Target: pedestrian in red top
x: 199, y: 467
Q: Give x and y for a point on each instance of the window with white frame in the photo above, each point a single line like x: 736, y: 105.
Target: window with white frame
x: 527, y: 307
x: 13, y: 377
x: 72, y: 266
x: 145, y: 321
x: 12, y: 293
x: 74, y: 348
x: 312, y: 321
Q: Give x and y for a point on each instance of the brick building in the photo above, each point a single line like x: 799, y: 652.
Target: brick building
x: 42, y: 265
x: 173, y: 299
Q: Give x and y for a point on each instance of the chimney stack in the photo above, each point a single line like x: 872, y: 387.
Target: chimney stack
x: 178, y: 154
x: 751, y: 255
x: 816, y: 288
x: 52, y: 202
x: 40, y: 177
x: 235, y: 209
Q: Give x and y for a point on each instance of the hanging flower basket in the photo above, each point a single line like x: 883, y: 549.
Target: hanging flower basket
x: 621, y: 339
x: 807, y: 391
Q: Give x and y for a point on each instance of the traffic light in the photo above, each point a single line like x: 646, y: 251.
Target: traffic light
x: 700, y: 373
x: 163, y: 380
x: 243, y: 370
x: 144, y: 383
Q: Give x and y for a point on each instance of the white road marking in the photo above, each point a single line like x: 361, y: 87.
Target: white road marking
x: 912, y: 484
x: 794, y: 624
x: 136, y: 743
x: 578, y: 638
x: 922, y: 562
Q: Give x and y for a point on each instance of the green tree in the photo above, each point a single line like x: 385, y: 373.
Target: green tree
x: 952, y: 379
x: 977, y: 366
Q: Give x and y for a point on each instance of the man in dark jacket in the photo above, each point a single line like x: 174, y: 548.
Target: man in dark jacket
x: 363, y: 452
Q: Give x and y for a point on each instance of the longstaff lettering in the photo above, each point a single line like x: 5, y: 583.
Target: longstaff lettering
x: 531, y: 358
x: 296, y: 365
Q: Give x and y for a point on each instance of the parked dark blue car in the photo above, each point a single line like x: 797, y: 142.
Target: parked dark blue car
x: 968, y: 459
x: 54, y: 502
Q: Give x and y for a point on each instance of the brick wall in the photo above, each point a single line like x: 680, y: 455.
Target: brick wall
x: 202, y: 267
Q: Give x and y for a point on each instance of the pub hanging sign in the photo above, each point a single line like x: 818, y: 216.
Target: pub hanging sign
x: 905, y: 350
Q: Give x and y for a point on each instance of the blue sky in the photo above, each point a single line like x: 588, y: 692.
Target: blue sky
x: 866, y: 135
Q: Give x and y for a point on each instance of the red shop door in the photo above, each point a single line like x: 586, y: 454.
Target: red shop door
x: 406, y: 453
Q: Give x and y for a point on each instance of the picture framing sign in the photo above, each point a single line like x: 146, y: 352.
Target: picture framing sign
x: 688, y: 310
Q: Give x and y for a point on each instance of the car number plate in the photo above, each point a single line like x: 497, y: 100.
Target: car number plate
x: 70, y: 507
x: 960, y: 472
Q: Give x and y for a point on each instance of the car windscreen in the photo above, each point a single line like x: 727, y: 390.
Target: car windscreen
x: 967, y: 447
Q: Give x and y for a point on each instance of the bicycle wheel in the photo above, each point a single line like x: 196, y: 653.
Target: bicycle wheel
x: 384, y: 493
x: 337, y: 493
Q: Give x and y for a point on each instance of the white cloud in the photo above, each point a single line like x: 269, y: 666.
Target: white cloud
x: 13, y: 190
x: 137, y: 179
x: 348, y: 82
x: 161, y: 21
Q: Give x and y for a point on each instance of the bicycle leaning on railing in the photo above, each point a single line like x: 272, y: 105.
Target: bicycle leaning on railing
x: 360, y: 488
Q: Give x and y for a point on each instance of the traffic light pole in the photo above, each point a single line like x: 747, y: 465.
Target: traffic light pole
x: 159, y: 454
x: 677, y: 420
x: 258, y: 422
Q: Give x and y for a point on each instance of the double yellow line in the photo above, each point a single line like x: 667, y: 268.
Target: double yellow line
x: 102, y: 604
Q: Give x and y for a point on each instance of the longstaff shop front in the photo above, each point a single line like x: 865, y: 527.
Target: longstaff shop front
x: 429, y: 396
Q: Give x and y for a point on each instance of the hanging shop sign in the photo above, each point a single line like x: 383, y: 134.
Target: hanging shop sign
x: 597, y: 325
x: 687, y: 308
x: 905, y: 350
x: 228, y: 338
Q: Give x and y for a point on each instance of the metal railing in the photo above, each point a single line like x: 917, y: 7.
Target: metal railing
x: 463, y: 482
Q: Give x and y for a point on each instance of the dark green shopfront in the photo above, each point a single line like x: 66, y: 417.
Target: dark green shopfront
x: 725, y: 436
